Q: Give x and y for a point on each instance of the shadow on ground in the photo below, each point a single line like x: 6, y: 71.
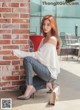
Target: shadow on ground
x: 70, y: 90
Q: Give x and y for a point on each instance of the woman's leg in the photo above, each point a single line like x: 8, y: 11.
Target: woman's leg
x: 42, y: 71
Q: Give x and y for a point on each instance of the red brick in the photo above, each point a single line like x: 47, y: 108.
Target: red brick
x: 5, y: 9
x: 15, y: 62
x: 6, y: 0
x: 24, y: 36
x: 18, y: 31
x: 18, y: 82
x: 0, y: 15
x: 5, y: 21
x: 5, y: 31
x: 6, y: 36
x: 20, y: 1
x: 22, y: 77
x: 10, y: 78
x: 7, y: 4
x: 5, y: 62
x: 10, y: 57
x: 9, y: 68
x: 21, y: 68
x: 24, y: 26
x: 19, y: 41
x: 4, y: 84
x: 4, y: 41
x: 18, y: 73
x: 5, y: 52
x: 0, y: 47
x: 20, y: 10
x: 10, y: 15
x: 14, y: 4
x: 16, y: 67
x: 11, y: 47
x: 10, y: 26
x: 24, y: 5
x: 22, y: 72
x: 24, y: 15
x: 20, y: 21
x: 24, y: 47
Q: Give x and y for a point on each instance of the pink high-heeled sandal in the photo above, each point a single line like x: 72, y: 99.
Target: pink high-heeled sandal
x: 54, y: 96
x: 30, y: 95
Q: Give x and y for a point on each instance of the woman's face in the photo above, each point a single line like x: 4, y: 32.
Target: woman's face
x: 46, y: 26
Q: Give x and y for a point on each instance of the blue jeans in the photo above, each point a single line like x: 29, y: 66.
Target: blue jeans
x: 30, y: 65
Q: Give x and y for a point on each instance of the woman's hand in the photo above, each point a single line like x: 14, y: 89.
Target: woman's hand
x: 16, y: 52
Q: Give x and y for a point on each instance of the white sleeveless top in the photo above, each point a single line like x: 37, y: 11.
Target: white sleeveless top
x: 47, y: 55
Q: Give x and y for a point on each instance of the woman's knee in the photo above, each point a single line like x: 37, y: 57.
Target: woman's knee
x: 27, y: 59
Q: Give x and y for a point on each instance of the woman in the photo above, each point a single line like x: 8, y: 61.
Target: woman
x: 44, y: 61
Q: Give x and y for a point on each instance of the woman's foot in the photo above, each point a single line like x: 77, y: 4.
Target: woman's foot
x: 54, y: 96
x: 30, y: 90
x: 49, y: 86
x: 56, y: 90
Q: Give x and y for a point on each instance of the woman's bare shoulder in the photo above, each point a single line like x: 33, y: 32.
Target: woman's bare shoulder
x: 53, y: 40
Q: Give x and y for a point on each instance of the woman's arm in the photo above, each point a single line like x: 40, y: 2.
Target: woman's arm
x: 22, y: 54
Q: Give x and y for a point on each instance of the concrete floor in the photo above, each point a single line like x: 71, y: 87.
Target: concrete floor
x: 69, y: 81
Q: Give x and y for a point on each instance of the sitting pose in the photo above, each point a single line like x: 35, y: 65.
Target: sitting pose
x: 44, y: 61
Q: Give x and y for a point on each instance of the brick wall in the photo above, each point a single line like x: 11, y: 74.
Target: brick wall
x: 14, y: 34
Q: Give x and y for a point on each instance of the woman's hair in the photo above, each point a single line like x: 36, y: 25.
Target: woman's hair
x: 54, y: 30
